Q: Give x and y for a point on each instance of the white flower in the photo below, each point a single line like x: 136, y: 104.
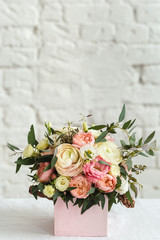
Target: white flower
x: 115, y: 170
x: 90, y: 150
x: 109, y: 151
x: 43, y: 144
x: 124, y: 186
x: 48, y: 191
x: 95, y: 133
x: 62, y: 183
x: 28, y: 151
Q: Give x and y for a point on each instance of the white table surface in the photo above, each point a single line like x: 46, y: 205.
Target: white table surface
x: 27, y: 219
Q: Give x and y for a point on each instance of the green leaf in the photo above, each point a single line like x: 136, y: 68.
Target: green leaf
x: 78, y: 202
x: 18, y: 167
x: 71, y: 188
x: 119, y: 181
x: 128, y: 196
x: 123, y: 143
x: 132, y: 139
x: 34, y: 191
x: 143, y: 154
x: 88, y: 155
x: 40, y: 187
x: 12, y: 147
x: 102, y: 199
x: 25, y: 161
x: 122, y: 114
x: 149, y: 138
x: 53, y: 161
x: 132, y: 129
x: 132, y: 123
x: 126, y: 124
x: 129, y: 162
x: 134, y: 189
x: 123, y: 171
x: 140, y: 141
x: 151, y: 152
x: 46, y: 158
x: 101, y: 137
x: 31, y: 137
x: 103, y: 162
x: 47, y: 168
x: 56, y: 195
x: 92, y: 190
x: 98, y: 127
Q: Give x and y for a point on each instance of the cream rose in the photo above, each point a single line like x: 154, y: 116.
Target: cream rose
x: 69, y: 162
x: 124, y: 186
x: 115, y: 170
x: 109, y: 151
x: 62, y: 183
x: 48, y: 191
x: 28, y: 151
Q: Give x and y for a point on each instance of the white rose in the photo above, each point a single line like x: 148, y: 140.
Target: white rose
x: 124, y: 186
x: 48, y: 191
x: 109, y: 151
x: 62, y: 183
x: 95, y: 133
x: 90, y: 150
x: 114, y: 170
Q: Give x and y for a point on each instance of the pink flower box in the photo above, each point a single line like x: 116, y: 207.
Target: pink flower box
x: 70, y: 222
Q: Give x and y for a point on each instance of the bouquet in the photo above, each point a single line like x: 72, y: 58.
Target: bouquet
x: 84, y: 165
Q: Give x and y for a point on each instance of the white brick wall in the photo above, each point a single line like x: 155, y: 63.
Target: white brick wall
x: 59, y: 58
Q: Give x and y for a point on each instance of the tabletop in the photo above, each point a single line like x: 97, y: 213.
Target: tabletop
x: 23, y: 219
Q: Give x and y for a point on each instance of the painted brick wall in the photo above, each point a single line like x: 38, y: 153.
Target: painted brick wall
x: 59, y: 58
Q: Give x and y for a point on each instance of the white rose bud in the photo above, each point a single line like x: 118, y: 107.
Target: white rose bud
x: 62, y: 183
x: 28, y: 151
x: 43, y: 144
x: 124, y: 186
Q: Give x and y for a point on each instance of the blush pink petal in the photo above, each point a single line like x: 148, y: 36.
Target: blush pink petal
x: 109, y: 138
x: 94, y: 170
x: 107, y: 183
x: 82, y: 138
x: 44, y: 176
x: 82, y: 184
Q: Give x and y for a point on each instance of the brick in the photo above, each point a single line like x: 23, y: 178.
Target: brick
x: 15, y: 116
x: 84, y: 13
x: 154, y: 35
x: 134, y: 33
x: 148, y: 13
x: 151, y: 74
x: 121, y: 13
x: 144, y: 94
x: 19, y: 37
x: 140, y: 55
x: 17, y: 57
x: 59, y: 33
x: 150, y: 181
x: 52, y: 12
x: 95, y: 32
x: 19, y: 78
x: 18, y: 14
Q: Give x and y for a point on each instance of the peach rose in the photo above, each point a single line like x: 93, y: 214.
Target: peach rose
x: 69, y: 162
x: 82, y: 138
x: 83, y: 186
x: 94, y: 170
x: 107, y: 184
x: 47, y: 175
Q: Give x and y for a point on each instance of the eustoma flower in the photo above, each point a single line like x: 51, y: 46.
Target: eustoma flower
x: 109, y: 151
x: 107, y: 183
x: 82, y: 184
x: 82, y: 138
x: 94, y: 170
x: 69, y: 162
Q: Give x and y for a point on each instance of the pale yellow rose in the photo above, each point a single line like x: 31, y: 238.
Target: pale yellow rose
x: 69, y: 162
x: 43, y: 144
x: 62, y: 183
x: 114, y: 170
x: 48, y: 191
x: 109, y: 151
x: 28, y: 151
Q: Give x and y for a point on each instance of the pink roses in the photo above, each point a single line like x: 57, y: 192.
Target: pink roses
x: 95, y: 170
x: 47, y: 175
x: 82, y: 184
x: 107, y: 183
x: 82, y: 138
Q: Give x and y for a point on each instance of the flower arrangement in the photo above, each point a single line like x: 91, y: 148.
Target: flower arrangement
x: 83, y: 164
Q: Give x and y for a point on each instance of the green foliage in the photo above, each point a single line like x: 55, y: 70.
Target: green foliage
x: 31, y: 137
x: 122, y: 114
x: 12, y: 147
x: 149, y: 138
x: 98, y: 127
x: 128, y: 196
x: 101, y: 137
x: 103, y: 162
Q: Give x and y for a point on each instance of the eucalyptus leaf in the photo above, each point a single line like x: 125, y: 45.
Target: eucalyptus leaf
x: 128, y: 196
x: 134, y: 189
x: 101, y: 136
x: 53, y: 161
x: 122, y: 114
x: 47, y: 168
x: 126, y: 124
x: 149, y: 138
x: 98, y: 127
x: 12, y: 147
x: 103, y: 162
x: 92, y: 190
x: 18, y: 167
